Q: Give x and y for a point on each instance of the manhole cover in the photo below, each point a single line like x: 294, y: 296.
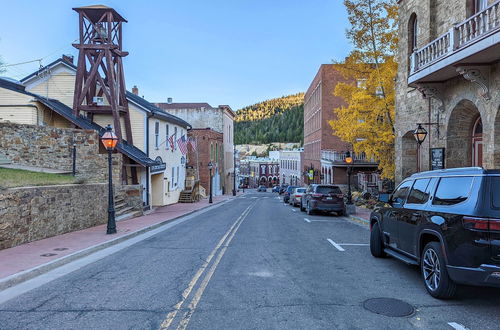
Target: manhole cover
x: 60, y: 249
x: 48, y: 254
x: 388, y: 307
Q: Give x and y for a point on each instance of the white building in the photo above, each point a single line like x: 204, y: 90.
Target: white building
x: 291, y: 166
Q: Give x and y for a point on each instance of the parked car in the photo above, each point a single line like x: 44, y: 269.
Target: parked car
x: 283, y: 188
x: 296, y: 195
x: 262, y: 188
x: 286, y: 194
x: 323, y: 197
x: 448, y: 223
x: 276, y: 189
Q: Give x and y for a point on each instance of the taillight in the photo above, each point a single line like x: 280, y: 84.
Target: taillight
x: 474, y: 223
x: 339, y: 195
x: 317, y: 195
x: 297, y: 195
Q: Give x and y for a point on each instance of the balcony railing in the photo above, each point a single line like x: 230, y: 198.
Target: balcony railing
x: 459, y: 36
x: 336, y: 156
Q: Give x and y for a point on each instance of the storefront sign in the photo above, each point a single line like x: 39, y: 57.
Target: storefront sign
x: 160, y: 166
x: 437, y: 158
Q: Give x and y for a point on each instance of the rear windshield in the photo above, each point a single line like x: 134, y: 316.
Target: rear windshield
x: 328, y: 190
x: 290, y: 188
x: 301, y: 190
x: 495, y: 191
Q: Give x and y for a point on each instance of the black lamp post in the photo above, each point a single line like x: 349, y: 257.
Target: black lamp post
x: 210, y: 167
x: 110, y: 140
x: 234, y: 171
x: 420, y: 134
x: 348, y: 160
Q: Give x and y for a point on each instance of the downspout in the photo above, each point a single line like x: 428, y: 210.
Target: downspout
x: 147, y: 153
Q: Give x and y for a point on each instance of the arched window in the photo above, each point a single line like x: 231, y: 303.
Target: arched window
x: 412, y: 33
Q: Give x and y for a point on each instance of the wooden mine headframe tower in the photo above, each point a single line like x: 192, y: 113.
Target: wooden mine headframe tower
x: 99, y: 75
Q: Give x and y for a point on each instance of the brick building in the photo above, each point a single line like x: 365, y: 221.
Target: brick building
x: 209, y: 148
x: 324, y: 153
x: 449, y: 82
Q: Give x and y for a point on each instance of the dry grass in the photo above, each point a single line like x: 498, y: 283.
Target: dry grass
x: 10, y: 178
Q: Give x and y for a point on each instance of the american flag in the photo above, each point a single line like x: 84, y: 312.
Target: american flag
x: 171, y: 142
x: 192, y: 142
x: 182, y: 143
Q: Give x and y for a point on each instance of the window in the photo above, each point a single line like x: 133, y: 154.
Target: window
x: 480, y: 5
x: 419, y: 194
x: 399, y: 197
x: 166, y: 136
x: 495, y: 191
x: 452, y: 190
x: 157, y: 134
x: 328, y: 190
x: 173, y: 176
x: 177, y: 177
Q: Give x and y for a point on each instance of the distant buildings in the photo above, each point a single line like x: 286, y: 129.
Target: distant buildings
x: 324, y: 152
x: 256, y: 171
x: 291, y: 172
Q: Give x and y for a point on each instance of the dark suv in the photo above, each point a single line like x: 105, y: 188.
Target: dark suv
x: 448, y: 223
x: 322, y: 197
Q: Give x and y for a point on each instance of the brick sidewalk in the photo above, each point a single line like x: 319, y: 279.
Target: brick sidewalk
x: 27, y: 256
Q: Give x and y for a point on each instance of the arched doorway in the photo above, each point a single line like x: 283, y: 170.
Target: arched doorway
x: 263, y: 181
x: 464, y: 136
x: 477, y: 143
x: 409, y: 155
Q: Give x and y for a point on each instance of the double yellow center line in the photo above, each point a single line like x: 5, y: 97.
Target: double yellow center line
x: 220, y: 249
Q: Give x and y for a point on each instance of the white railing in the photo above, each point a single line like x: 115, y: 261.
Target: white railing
x: 336, y: 156
x: 458, y: 36
x: 369, y: 180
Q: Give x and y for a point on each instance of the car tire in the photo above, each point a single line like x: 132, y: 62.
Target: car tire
x: 340, y: 213
x: 376, y: 243
x: 439, y: 285
x: 302, y: 207
x: 309, y: 211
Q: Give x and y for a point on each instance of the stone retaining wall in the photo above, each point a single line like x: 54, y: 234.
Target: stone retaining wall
x: 51, y: 147
x: 32, y: 213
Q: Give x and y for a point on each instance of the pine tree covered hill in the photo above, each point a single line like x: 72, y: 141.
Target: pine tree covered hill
x: 276, y: 120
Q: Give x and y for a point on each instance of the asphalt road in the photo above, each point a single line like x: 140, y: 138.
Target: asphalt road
x: 252, y: 263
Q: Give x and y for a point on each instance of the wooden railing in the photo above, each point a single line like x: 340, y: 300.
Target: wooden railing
x: 457, y: 37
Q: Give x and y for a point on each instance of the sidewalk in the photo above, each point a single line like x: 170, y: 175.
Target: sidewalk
x: 362, y: 214
x: 58, y: 250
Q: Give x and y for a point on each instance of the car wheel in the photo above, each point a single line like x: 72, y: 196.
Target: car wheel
x: 308, y: 209
x: 302, y: 207
x: 434, y: 272
x: 376, y: 243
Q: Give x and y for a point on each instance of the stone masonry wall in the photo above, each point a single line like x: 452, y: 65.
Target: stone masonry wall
x: 34, y: 213
x: 51, y: 147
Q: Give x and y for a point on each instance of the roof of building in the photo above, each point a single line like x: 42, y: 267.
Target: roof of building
x: 62, y: 109
x: 173, y: 106
x: 140, y: 101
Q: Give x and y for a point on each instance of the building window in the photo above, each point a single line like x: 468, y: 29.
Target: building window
x: 157, y: 134
x: 412, y: 34
x: 166, y: 136
x: 173, y: 176
x: 480, y: 5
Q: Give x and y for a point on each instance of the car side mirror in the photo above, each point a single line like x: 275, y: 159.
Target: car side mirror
x: 385, y: 198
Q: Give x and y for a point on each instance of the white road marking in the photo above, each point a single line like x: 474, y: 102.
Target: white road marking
x: 338, y: 247
x: 307, y: 220
x: 265, y: 197
x: 294, y: 210
x: 278, y: 198
x: 457, y: 326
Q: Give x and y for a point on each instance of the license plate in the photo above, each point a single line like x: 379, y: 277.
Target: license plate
x: 329, y: 198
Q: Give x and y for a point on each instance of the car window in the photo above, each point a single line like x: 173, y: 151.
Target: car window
x: 495, y: 191
x: 419, y: 194
x: 399, y: 196
x: 328, y: 190
x: 452, y: 190
x: 301, y: 190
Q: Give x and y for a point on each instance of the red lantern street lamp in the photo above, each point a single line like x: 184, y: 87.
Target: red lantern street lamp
x: 110, y: 140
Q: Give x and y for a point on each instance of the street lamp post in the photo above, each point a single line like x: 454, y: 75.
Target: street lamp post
x: 210, y: 167
x: 348, y: 160
x: 234, y: 171
x: 110, y: 140
x: 420, y: 134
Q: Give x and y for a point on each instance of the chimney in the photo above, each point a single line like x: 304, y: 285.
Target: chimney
x: 68, y: 58
x: 169, y: 100
x: 135, y: 90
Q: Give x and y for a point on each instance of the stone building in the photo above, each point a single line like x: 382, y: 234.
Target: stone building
x: 324, y: 152
x: 448, y: 82
x: 209, y: 148
x: 291, y: 167
x: 219, y: 119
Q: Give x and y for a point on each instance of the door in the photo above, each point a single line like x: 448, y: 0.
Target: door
x: 477, y: 143
x: 413, y: 215
x: 393, y: 213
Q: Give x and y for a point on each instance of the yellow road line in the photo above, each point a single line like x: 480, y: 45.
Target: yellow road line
x: 171, y: 316
x: 197, y: 296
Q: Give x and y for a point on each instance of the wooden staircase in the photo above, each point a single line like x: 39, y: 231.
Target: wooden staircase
x: 190, y: 195
x: 123, y: 211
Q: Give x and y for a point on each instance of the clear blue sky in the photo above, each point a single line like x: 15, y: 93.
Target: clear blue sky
x: 235, y: 52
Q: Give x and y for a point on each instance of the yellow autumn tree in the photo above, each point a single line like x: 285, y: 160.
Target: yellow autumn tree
x: 367, y: 122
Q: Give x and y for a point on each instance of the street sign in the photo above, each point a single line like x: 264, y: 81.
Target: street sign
x: 437, y: 158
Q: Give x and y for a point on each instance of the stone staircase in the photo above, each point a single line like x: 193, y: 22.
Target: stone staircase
x: 4, y: 160
x: 123, y: 211
x: 186, y: 197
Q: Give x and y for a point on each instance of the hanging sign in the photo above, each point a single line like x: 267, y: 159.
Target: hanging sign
x: 437, y: 158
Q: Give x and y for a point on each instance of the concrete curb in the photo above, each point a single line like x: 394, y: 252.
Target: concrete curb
x: 28, y: 274
x: 358, y: 219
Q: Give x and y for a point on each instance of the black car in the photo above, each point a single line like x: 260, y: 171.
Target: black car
x: 262, y: 188
x: 286, y: 194
x: 323, y: 197
x: 448, y: 223
x: 282, y: 189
